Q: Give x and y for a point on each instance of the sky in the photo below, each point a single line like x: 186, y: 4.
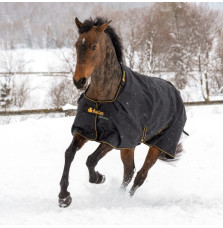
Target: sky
x: 127, y: 5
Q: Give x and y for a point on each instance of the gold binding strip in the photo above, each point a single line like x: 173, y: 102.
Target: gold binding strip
x: 157, y: 146
x: 143, y: 134
x: 162, y: 130
x: 117, y: 148
x: 96, y: 133
x: 156, y: 133
x: 122, y: 148
x: 159, y: 149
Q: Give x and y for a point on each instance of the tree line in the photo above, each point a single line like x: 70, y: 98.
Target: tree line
x: 183, y: 39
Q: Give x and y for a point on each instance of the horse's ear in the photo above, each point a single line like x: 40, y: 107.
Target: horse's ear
x: 78, y: 23
x: 103, y: 27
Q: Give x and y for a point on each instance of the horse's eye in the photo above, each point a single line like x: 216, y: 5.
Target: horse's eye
x: 93, y: 48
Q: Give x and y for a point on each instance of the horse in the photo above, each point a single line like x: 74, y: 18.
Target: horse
x: 108, y: 112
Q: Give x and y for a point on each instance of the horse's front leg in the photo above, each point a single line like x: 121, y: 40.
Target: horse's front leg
x: 64, y: 196
x: 127, y: 157
x: 92, y: 161
x: 150, y: 160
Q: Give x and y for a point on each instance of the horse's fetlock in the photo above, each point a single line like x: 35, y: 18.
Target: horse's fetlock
x: 63, y: 195
x: 64, y: 183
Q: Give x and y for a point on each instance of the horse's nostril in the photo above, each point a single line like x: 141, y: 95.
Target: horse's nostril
x: 82, y: 81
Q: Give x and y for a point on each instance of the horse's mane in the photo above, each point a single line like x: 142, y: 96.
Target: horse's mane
x: 110, y: 31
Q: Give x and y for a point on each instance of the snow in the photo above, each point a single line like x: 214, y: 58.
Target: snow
x: 69, y: 106
x: 37, y: 60
x: 17, y: 118
x: 31, y: 164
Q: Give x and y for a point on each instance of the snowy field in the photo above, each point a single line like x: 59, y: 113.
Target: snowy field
x: 32, y: 159
x: 35, y: 60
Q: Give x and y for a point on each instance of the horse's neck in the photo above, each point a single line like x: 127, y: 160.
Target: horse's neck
x: 106, y: 79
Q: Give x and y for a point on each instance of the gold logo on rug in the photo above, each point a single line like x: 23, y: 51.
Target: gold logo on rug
x: 90, y: 109
x: 97, y: 112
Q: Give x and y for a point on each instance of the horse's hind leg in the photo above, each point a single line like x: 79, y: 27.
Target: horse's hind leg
x: 127, y: 157
x: 151, y: 159
x: 92, y: 161
x: 64, y: 196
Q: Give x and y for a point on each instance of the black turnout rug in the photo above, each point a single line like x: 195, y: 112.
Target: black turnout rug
x: 145, y: 109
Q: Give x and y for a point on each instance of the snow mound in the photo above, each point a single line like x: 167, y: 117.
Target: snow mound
x: 69, y: 107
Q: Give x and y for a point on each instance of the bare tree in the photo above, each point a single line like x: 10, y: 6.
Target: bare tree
x: 218, y: 76
x: 62, y: 93
x: 205, y: 38
x: 20, y: 92
x: 132, y: 37
x: 11, y: 93
x: 11, y: 62
x: 67, y: 59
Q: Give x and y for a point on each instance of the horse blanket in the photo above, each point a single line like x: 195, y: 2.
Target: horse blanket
x: 145, y: 109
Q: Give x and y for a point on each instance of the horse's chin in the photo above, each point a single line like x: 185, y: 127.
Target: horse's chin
x: 87, y: 82
x: 85, y: 86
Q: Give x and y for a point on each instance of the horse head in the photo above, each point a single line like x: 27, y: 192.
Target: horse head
x: 90, y: 49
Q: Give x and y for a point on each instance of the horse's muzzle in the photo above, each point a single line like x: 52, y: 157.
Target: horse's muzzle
x: 81, y: 84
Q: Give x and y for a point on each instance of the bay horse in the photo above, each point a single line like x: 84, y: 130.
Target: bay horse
x: 109, y: 113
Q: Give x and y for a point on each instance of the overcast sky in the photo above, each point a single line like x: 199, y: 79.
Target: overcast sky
x: 124, y: 5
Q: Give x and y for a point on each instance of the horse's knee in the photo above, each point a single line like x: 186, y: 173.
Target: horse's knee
x: 64, y: 183
x: 77, y: 142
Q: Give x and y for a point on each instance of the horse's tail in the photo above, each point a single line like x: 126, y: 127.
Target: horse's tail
x: 179, y: 151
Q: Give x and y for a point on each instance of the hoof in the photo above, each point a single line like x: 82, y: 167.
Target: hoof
x: 132, y: 191
x: 100, y: 178
x: 65, y: 202
x: 103, y: 179
x: 123, y: 188
x: 97, y: 178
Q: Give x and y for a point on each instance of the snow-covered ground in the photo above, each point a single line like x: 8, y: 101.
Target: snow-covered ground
x: 32, y: 159
x: 35, y: 60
